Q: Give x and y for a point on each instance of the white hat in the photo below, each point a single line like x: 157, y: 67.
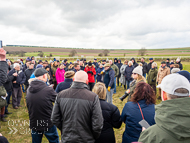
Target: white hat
x: 174, y: 81
x: 138, y: 70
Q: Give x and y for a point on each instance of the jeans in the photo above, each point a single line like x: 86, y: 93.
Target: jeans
x: 114, y: 85
x: 8, y: 101
x: 109, y: 95
x: 128, y: 83
x: 23, y: 89
x: 95, y: 76
x: 51, y: 135
x: 144, y: 75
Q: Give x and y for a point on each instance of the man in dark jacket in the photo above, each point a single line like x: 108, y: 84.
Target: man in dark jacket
x: 17, y: 82
x: 134, y: 63
x: 39, y: 103
x: 95, y: 63
x: 168, y: 62
x: 67, y: 82
x: 77, y: 112
x: 179, y: 63
x: 115, y: 61
x: 28, y: 73
x: 108, y: 79
x: 66, y: 64
x: 76, y: 67
x: 3, y: 67
x: 145, y: 67
x: 82, y: 67
x: 150, y: 64
x: 172, y: 114
x: 119, y: 64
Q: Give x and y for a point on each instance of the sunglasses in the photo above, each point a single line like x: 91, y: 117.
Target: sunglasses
x: 134, y: 73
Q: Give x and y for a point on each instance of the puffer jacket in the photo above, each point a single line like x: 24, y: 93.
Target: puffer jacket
x: 116, y: 69
x: 3, y: 72
x: 91, y: 73
x: 77, y: 113
x: 128, y: 73
x: 162, y: 72
x: 122, y: 71
x: 112, y: 119
x: 172, y: 123
x: 152, y: 76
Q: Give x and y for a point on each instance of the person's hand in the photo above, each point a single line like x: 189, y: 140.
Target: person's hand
x: 14, y: 81
x: 143, y: 128
x: 15, y: 74
x: 2, y: 55
x: 102, y: 72
x: 109, y: 88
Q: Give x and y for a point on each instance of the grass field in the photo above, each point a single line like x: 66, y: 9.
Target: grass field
x: 19, y: 120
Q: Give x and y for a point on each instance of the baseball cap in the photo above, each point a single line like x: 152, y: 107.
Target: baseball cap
x: 150, y: 58
x: 174, y: 81
x: 40, y: 72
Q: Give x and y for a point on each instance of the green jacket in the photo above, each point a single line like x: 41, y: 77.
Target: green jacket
x: 172, y: 123
x: 54, y: 69
x: 152, y: 76
x: 133, y: 85
x: 116, y: 69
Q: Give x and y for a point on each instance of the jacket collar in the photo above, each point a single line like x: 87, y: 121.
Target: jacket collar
x: 68, y: 80
x: 79, y: 85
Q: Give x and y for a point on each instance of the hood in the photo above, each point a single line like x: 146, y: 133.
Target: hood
x: 173, y: 117
x: 36, y: 86
x: 134, y: 60
x: 91, y: 66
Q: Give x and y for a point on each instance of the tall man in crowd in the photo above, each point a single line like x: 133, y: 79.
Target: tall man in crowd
x: 77, y: 112
x: 168, y: 62
x: 39, y: 103
x: 95, y: 63
x: 162, y: 72
x: 145, y: 67
x: 116, y: 70
x: 17, y: 82
x: 76, y: 67
x: 28, y: 73
x: 150, y: 64
x: 172, y: 114
x: 119, y: 64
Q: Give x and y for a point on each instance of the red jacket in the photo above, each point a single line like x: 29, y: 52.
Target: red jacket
x: 90, y: 75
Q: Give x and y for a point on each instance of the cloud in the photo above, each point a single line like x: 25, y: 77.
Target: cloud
x: 96, y: 24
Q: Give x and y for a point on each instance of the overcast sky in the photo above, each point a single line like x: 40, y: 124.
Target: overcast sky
x: 98, y: 24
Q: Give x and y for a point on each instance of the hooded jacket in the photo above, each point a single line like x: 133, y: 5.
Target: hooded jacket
x: 77, y: 113
x: 119, y: 67
x: 134, y: 64
x: 91, y: 73
x: 172, y: 123
x: 60, y: 75
x: 39, y: 100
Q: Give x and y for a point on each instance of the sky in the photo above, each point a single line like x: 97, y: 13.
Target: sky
x: 99, y: 24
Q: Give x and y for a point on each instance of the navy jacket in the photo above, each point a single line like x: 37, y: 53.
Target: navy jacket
x: 180, y: 65
x: 20, y: 79
x: 119, y: 66
x: 112, y: 119
x: 109, y: 76
x: 96, y: 65
x: 99, y: 77
x: 64, y: 85
x: 131, y: 116
x: 128, y: 73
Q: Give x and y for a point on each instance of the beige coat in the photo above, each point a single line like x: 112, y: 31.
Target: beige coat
x: 162, y: 73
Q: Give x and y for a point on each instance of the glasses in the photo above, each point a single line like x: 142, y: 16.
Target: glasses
x: 134, y: 73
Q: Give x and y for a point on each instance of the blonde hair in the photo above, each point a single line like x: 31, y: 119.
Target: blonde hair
x: 100, y: 90
x: 126, y: 61
x: 140, y: 64
x: 140, y: 77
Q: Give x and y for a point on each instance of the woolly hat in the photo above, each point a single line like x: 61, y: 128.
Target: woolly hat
x: 185, y: 74
x: 69, y: 74
x: 138, y: 70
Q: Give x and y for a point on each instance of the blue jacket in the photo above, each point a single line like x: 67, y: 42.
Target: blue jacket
x: 99, y: 77
x: 131, y: 116
x: 96, y: 65
x: 128, y: 73
x: 20, y: 79
x: 64, y: 85
x: 109, y: 76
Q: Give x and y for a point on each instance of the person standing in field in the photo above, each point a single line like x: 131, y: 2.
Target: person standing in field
x: 28, y: 72
x: 119, y: 65
x: 128, y: 73
x: 122, y: 71
x: 152, y: 76
x: 162, y: 72
x: 54, y: 69
x: 150, y: 64
x: 60, y: 74
x: 145, y: 67
x: 178, y: 61
x: 99, y: 70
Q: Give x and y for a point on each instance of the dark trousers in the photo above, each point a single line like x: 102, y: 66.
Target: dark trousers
x: 55, y: 84
x: 91, y: 85
x: 51, y: 135
x: 3, y: 139
x: 118, y: 77
x: 153, y: 87
x: 8, y: 101
x: 16, y: 96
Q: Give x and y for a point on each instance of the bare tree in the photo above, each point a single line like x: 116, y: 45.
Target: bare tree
x: 41, y: 54
x: 105, y: 52
x: 142, y: 51
x: 72, y: 53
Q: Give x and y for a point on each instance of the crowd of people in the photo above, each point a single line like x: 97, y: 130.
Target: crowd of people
x: 82, y: 93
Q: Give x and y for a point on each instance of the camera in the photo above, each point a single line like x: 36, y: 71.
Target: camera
x: 124, y: 96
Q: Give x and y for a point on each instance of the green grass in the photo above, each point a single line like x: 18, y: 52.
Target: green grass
x: 23, y: 133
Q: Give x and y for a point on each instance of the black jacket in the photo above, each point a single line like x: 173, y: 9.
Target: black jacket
x: 149, y: 66
x: 82, y: 68
x: 28, y: 73
x: 3, y: 72
x: 39, y: 100
x: 64, y: 85
x: 112, y: 119
x: 8, y: 84
x: 145, y: 67
x: 77, y: 113
x: 134, y: 64
x: 119, y: 66
x: 180, y: 65
x: 20, y: 79
x: 128, y: 73
x: 168, y: 64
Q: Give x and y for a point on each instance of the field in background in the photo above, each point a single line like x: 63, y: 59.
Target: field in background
x: 64, y: 52
x: 19, y: 120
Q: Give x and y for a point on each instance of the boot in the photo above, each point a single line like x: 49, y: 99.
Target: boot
x: 3, y: 119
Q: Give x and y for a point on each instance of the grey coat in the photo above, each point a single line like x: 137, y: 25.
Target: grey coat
x: 122, y: 71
